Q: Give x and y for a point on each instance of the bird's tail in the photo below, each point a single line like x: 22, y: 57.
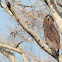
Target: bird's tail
x: 56, y: 55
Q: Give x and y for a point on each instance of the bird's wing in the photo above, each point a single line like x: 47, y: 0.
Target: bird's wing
x: 52, y: 37
x: 53, y: 34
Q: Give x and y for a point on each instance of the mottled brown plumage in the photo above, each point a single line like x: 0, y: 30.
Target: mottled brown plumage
x: 51, y: 35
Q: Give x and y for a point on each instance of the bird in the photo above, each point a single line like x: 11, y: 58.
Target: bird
x: 51, y: 35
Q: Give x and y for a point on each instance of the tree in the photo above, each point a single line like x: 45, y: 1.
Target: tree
x: 29, y: 20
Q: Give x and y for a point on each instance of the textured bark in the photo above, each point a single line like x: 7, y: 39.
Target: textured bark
x: 8, y: 54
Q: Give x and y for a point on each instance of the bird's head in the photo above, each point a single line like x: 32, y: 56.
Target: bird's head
x: 49, y: 18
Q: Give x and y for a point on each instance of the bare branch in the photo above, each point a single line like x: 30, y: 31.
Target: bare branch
x: 8, y: 54
x: 14, y: 45
x: 59, y: 4
x: 19, y: 51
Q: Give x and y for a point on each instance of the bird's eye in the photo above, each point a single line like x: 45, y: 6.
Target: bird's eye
x: 50, y: 16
